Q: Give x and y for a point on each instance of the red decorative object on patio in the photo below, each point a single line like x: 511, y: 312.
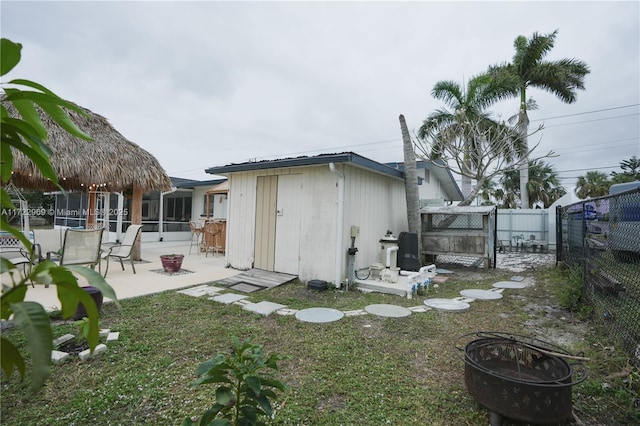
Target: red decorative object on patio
x: 171, y: 262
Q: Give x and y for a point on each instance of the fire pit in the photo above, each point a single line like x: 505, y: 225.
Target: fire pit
x: 520, y: 377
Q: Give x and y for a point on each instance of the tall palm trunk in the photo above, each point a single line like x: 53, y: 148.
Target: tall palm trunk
x: 410, y: 180
x: 523, y: 123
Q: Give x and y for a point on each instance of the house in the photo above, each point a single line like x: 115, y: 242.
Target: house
x: 436, y: 184
x: 165, y: 215
x: 299, y: 215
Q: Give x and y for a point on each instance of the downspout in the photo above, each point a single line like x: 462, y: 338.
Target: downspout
x: 161, y: 210
x: 339, y: 226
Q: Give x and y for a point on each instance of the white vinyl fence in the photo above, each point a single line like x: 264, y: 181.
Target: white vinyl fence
x: 529, y: 224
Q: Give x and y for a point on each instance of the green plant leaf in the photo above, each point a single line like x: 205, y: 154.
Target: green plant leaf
x: 254, y: 383
x: 265, y: 404
x: 95, y: 280
x: 273, y: 383
x: 11, y: 358
x: 249, y: 413
x: 210, y: 415
x: 224, y: 395
x: 61, y: 117
x: 7, y: 162
x: 30, y: 115
x: 34, y: 323
x: 11, y: 295
x: 9, y: 55
x: 69, y: 294
x: 40, y: 160
x: 33, y: 85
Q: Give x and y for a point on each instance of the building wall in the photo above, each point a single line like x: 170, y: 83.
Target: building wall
x: 373, y: 202
x: 377, y: 204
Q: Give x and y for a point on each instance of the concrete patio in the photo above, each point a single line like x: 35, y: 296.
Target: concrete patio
x: 149, y: 278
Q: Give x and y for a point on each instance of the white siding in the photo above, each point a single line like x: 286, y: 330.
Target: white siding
x: 376, y: 203
x: 373, y: 202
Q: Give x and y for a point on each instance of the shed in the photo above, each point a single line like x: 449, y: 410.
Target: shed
x: 459, y: 231
x: 295, y: 215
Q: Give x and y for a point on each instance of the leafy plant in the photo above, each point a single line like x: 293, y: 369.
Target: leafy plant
x: 570, y: 293
x: 27, y: 135
x: 243, y: 394
x: 84, y: 327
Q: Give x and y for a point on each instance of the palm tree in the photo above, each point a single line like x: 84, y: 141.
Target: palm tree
x: 593, y: 184
x: 487, y: 191
x: 631, y: 171
x: 529, y: 69
x: 467, y: 106
x: 543, y: 185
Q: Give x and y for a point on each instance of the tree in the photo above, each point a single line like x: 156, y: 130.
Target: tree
x: 487, y: 191
x: 593, y: 184
x: 543, y: 185
x: 631, y: 171
x: 411, y: 180
x: 28, y: 135
x: 467, y: 106
x: 529, y: 69
x: 490, y: 156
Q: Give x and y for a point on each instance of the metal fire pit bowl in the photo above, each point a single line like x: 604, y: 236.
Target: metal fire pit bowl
x: 519, y: 377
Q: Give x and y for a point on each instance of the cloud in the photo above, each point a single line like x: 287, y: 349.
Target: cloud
x: 201, y: 84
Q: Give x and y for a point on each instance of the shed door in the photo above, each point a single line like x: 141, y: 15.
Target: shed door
x: 266, y: 196
x: 288, y: 221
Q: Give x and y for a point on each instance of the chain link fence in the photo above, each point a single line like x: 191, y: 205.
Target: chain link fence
x: 601, y: 237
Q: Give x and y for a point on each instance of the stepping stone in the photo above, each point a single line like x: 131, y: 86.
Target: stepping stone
x: 509, y: 284
x: 439, y: 280
x: 480, y: 294
x: 443, y: 271
x: 447, y: 304
x: 384, y: 310
x: 263, y: 308
x: 517, y: 278
x: 228, y: 298
x: 113, y: 336
x: 62, y: 339
x: 319, y: 315
x: 200, y: 291
x: 419, y: 309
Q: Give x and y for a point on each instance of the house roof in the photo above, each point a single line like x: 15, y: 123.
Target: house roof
x: 448, y: 182
x: 190, y: 183
x: 345, y: 157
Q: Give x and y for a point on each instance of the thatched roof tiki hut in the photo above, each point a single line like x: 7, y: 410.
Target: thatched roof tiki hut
x: 110, y: 163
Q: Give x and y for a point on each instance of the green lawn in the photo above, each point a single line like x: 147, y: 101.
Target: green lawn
x: 362, y: 370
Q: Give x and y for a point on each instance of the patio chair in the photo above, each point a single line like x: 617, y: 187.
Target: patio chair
x: 212, y: 237
x: 123, y: 250
x: 80, y: 247
x: 197, y: 230
x: 12, y: 249
x: 47, y: 241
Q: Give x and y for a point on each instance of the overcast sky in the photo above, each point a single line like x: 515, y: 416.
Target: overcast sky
x: 202, y: 84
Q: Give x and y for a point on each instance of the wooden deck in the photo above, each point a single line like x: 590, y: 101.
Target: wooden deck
x: 256, y: 279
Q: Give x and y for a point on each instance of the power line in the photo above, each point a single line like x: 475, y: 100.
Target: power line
x: 587, y: 112
x: 591, y: 121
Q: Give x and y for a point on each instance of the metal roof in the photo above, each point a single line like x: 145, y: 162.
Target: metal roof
x: 345, y: 157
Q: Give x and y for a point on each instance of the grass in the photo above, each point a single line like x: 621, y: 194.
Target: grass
x: 363, y: 370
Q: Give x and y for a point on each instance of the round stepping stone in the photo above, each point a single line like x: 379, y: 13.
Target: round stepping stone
x: 388, y: 311
x: 319, y: 315
x: 447, y: 304
x: 476, y: 293
x: 509, y: 284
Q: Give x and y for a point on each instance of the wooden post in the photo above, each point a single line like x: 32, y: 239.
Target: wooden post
x: 136, y: 218
x: 91, y: 213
